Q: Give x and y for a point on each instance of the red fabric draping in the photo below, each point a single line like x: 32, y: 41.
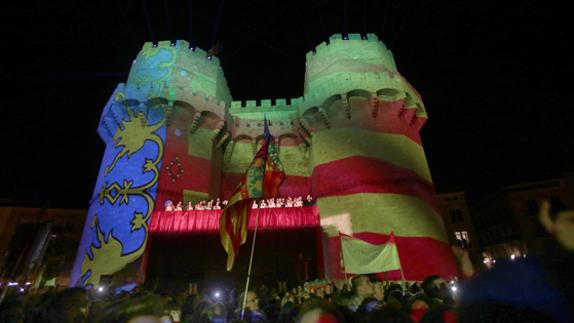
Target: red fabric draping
x: 208, y: 220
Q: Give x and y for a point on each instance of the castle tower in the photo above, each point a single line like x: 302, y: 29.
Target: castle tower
x: 369, y: 170
x: 160, y: 130
x: 172, y: 132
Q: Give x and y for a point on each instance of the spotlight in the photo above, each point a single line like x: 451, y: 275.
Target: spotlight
x: 453, y: 288
x: 512, y: 256
x: 101, y: 289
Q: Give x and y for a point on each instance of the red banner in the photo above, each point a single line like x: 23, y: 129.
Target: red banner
x: 208, y: 220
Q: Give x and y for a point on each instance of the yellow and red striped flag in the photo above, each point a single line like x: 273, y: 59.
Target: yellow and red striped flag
x: 261, y: 180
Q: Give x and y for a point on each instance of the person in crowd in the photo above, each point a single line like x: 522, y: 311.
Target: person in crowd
x: 367, y: 307
x: 414, y: 289
x: 289, y: 202
x: 189, y: 206
x: 69, y: 305
x: 209, y: 205
x: 418, y: 307
x: 317, y: 310
x: 178, y: 207
x: 254, y: 205
x: 362, y: 288
x: 298, y: 202
x: 199, y: 206
x: 539, y: 288
x: 437, y: 291
x: 288, y: 313
x: 389, y: 315
x: 252, y: 312
x: 379, y: 288
x: 217, y: 313
x: 308, y: 200
x: 280, y: 202
x: 169, y: 205
x: 217, y: 205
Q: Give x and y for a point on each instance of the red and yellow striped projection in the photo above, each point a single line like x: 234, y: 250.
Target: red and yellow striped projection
x: 370, y: 183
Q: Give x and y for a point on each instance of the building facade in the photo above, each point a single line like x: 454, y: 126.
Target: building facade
x: 507, y: 221
x: 173, y: 132
x: 37, y: 245
x: 459, y: 223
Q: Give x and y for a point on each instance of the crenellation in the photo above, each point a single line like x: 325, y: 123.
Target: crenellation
x: 266, y: 103
x: 280, y: 102
x: 321, y: 46
x: 355, y: 37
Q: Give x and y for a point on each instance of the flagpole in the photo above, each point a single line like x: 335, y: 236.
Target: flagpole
x: 400, y: 264
x: 343, y: 259
x: 250, y: 263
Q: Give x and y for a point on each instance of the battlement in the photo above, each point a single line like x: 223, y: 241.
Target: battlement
x: 369, y: 43
x: 165, y: 66
x: 267, y: 105
x: 182, y: 47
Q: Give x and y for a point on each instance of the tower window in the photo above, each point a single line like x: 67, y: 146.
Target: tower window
x: 455, y: 215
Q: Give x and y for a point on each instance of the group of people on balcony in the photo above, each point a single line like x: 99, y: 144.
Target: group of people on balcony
x: 279, y: 202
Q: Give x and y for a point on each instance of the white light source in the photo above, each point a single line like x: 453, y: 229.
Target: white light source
x: 100, y: 289
x: 217, y: 294
x: 453, y: 288
x: 28, y: 283
x: 512, y: 256
x: 12, y: 284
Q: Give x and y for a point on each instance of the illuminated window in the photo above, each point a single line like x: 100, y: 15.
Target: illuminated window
x: 463, y: 238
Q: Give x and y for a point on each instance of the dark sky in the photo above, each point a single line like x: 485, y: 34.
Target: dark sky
x: 495, y: 78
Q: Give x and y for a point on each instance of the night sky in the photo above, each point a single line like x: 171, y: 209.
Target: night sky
x: 495, y: 79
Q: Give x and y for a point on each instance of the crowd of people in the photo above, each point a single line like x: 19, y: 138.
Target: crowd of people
x: 364, y: 299
x: 298, y: 201
x: 534, y: 289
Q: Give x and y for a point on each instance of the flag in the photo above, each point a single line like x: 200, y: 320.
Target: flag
x: 216, y: 49
x: 262, y: 179
x: 361, y: 257
x: 274, y: 174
